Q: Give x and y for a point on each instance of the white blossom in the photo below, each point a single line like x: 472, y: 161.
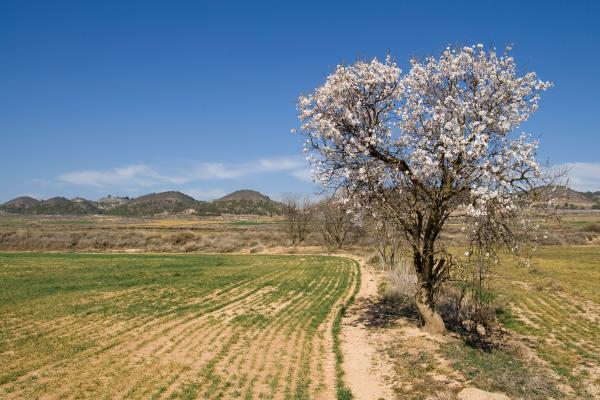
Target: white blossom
x: 447, y: 126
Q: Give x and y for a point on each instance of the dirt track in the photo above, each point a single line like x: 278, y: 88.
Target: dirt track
x: 363, y: 373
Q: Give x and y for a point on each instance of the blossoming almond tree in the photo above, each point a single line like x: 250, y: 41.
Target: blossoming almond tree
x: 415, y: 148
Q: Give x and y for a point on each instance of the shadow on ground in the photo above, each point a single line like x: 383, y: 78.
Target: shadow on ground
x: 383, y: 312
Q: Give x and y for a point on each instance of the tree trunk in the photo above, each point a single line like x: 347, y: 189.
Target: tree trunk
x: 432, y: 321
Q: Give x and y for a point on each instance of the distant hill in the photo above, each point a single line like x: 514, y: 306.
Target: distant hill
x: 54, y: 206
x: 240, y: 202
x: 593, y: 196
x: 20, y: 204
x: 156, y: 203
x: 247, y: 202
x: 581, y: 200
x: 251, y: 195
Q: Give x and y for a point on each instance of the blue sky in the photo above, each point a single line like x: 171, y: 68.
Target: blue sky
x: 127, y: 98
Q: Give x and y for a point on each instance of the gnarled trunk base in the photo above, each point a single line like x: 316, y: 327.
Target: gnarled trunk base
x: 432, y: 321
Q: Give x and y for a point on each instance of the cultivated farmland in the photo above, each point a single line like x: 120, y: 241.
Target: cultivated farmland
x: 550, y: 348
x: 170, y: 326
x: 555, y: 308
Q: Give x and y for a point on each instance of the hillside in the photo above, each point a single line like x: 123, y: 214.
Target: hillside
x: 593, y: 196
x: 246, y: 202
x: 110, y: 202
x: 20, y: 204
x: 172, y: 202
x: 250, y: 195
x: 582, y: 200
x: 156, y: 203
x: 61, y: 205
x: 53, y: 206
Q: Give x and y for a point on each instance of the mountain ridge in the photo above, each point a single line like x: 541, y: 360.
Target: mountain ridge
x: 170, y: 202
x: 239, y: 202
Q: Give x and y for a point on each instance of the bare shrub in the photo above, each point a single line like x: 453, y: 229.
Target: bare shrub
x: 227, y: 245
x: 256, y: 249
x: 180, y: 238
x: 591, y: 227
x: 190, y: 247
x: 468, y: 305
x: 387, y: 240
x: 335, y: 222
x: 374, y: 260
x: 298, y: 212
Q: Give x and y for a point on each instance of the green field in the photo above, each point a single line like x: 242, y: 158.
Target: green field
x: 176, y: 326
x: 555, y: 305
x: 549, y: 347
x: 551, y: 308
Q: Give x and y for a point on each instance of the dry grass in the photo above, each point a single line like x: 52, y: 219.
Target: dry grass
x: 175, y: 235
x: 179, y: 233
x: 401, y: 282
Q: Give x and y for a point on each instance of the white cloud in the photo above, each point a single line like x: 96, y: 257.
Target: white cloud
x: 208, y: 171
x: 141, y: 175
x: 304, y: 174
x: 281, y: 163
x: 582, y: 176
x: 133, y: 175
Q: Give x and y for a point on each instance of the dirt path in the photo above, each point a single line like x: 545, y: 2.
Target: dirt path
x: 364, y: 371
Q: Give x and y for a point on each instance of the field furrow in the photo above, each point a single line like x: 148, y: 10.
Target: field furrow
x: 167, y: 327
